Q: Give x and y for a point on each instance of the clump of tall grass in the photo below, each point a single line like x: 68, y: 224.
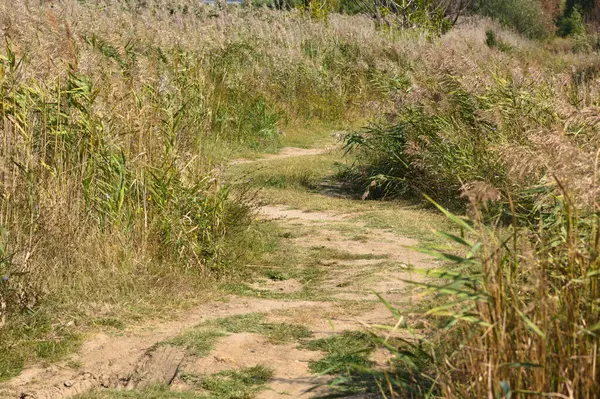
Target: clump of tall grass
x: 484, y: 118
x: 521, y: 308
x: 515, y: 314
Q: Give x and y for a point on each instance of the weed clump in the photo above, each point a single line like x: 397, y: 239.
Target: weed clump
x: 240, y: 384
x: 344, y: 352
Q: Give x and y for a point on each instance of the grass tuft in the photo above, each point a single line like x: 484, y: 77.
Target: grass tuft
x: 276, y: 333
x: 344, y: 352
x: 198, y: 342
x: 240, y: 384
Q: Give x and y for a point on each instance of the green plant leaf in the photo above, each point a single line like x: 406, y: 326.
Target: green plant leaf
x: 531, y: 324
x: 451, y: 216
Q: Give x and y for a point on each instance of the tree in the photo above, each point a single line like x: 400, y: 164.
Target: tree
x: 585, y: 6
x: 438, y: 15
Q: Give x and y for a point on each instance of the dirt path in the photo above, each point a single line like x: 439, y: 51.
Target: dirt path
x: 323, y: 287
x: 286, y: 152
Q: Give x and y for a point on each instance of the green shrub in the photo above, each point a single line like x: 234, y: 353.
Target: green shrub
x: 572, y: 24
x: 435, y: 153
x: 492, y: 41
x: 350, y: 7
x: 436, y: 147
x: 525, y: 16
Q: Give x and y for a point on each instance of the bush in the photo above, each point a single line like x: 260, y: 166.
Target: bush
x: 524, y: 16
x: 492, y: 41
x: 571, y: 25
x: 350, y: 7
x: 437, y: 150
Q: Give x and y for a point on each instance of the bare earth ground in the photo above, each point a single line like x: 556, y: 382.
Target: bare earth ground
x: 354, y: 267
x: 287, y: 152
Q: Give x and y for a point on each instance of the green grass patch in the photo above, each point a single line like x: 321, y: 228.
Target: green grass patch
x: 53, y: 349
x: 32, y: 337
x: 241, y: 384
x: 198, y: 341
x: 337, y: 363
x: 276, y: 333
x: 349, y: 350
x: 201, y: 340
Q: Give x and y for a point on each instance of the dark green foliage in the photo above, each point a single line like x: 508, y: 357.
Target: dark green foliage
x: 571, y: 24
x: 350, y: 7
x: 584, y: 5
x: 491, y: 40
x: 525, y: 16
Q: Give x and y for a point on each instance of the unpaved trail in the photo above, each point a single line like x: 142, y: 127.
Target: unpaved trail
x: 286, y: 152
x: 350, y: 268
